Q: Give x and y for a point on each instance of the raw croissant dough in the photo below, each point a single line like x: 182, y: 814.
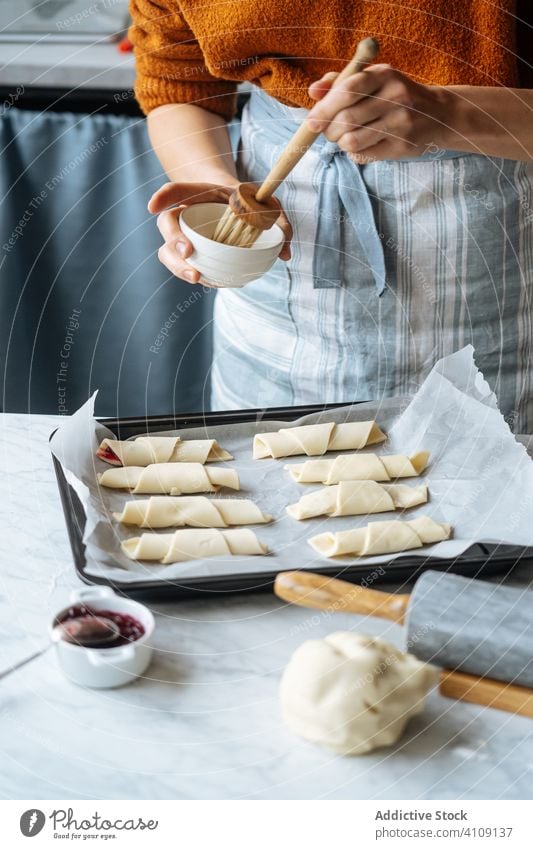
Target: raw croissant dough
x: 381, y: 538
x: 353, y: 693
x: 357, y: 498
x: 192, y: 545
x: 169, y: 478
x: 146, y: 450
x: 352, y: 467
x: 316, y: 439
x: 166, y: 511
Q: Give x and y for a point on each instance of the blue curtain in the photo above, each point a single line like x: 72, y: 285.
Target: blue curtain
x: 84, y: 302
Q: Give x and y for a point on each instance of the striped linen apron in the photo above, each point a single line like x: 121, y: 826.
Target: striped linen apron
x: 394, y: 265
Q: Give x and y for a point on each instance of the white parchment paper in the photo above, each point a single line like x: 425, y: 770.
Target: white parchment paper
x: 480, y: 479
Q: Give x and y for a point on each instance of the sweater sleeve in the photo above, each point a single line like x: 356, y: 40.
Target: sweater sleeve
x: 169, y: 61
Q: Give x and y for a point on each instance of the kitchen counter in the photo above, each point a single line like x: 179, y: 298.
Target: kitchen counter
x: 65, y: 66
x: 204, y: 723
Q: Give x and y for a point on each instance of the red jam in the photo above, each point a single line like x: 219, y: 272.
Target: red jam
x: 108, y: 455
x: 130, y: 629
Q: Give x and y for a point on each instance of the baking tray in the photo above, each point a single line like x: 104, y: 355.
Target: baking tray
x: 479, y: 561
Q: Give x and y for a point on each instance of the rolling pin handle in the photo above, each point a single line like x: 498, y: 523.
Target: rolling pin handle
x: 309, y: 589
x: 485, y: 691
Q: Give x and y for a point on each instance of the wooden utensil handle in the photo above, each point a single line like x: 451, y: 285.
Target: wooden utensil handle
x: 366, y: 52
x: 486, y: 691
x: 308, y: 589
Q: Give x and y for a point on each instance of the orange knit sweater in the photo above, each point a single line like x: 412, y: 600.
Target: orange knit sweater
x: 195, y: 51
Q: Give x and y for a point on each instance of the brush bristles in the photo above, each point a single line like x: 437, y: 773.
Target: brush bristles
x: 224, y: 224
x: 232, y: 230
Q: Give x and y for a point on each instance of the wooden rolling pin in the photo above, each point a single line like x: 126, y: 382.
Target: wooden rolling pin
x: 475, y: 628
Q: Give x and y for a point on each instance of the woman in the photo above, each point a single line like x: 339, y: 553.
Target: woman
x: 412, y: 215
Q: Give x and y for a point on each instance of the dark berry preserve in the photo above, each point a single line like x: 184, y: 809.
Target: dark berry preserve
x: 130, y: 629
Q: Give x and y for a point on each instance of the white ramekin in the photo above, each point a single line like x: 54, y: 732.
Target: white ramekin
x: 112, y: 667
x: 226, y: 265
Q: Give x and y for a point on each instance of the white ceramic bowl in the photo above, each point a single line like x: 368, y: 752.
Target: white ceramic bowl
x: 102, y: 668
x: 226, y: 265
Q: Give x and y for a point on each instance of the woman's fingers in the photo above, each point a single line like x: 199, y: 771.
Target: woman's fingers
x: 177, y: 247
x: 181, y: 269
x: 385, y: 149
x: 346, y: 94
x: 394, y: 128
x: 168, y: 226
x: 366, y: 112
x: 171, y: 260
x: 386, y: 108
x: 320, y: 87
x: 285, y: 225
x: 173, y: 194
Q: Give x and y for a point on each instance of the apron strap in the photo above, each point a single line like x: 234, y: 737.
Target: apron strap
x: 343, y: 194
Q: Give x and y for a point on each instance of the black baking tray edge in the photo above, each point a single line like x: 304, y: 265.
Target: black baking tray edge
x: 479, y: 561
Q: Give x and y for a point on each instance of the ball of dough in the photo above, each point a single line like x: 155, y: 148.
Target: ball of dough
x: 353, y: 693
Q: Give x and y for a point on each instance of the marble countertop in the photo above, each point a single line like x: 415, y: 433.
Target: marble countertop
x: 66, y: 66
x: 204, y: 723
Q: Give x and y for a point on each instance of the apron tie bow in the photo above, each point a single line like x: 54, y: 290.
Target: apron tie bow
x: 343, y: 196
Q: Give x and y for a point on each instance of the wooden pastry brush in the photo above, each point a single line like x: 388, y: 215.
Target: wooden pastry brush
x: 252, y: 210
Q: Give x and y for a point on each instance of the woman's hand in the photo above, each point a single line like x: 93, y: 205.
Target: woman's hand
x: 168, y: 202
x: 381, y: 114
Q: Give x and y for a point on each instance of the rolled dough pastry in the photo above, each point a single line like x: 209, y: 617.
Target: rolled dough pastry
x: 196, y: 511
x: 353, y: 693
x: 316, y: 439
x: 169, y: 478
x: 357, y: 498
x: 146, y: 450
x: 381, y: 538
x: 353, y: 467
x: 192, y: 545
